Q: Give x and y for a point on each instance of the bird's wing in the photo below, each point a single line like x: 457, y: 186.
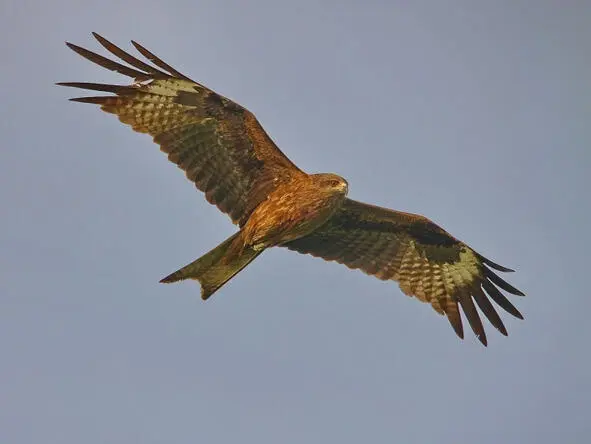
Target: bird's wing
x: 219, y: 144
x: 424, y: 259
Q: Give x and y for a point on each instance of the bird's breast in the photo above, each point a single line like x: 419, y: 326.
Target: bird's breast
x: 288, y: 214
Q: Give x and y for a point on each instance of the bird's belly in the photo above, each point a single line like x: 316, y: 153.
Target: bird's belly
x: 277, y: 222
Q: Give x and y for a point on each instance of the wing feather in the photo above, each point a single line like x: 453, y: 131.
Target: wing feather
x: 158, y: 62
x: 489, y: 311
x: 107, y: 63
x: 453, y: 316
x: 467, y: 304
x: 500, y: 299
x: 499, y: 282
x: 125, y: 56
x: 219, y: 145
x: 424, y: 259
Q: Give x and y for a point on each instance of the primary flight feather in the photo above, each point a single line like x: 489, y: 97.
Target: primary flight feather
x: 224, y: 150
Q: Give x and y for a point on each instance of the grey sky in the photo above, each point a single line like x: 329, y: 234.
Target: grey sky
x: 475, y: 114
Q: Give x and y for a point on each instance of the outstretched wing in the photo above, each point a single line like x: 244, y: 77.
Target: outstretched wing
x: 219, y: 144
x: 427, y: 262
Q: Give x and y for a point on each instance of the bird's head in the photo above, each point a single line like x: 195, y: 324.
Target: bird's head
x: 332, y: 182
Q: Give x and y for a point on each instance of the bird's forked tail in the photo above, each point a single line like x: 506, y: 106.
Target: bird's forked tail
x: 217, y: 267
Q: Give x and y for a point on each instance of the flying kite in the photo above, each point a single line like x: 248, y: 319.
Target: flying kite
x: 225, y: 151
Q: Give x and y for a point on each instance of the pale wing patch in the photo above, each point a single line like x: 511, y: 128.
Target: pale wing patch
x: 167, y: 87
x: 467, y: 266
x: 155, y: 109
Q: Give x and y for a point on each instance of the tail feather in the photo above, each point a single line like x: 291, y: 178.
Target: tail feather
x: 216, y: 267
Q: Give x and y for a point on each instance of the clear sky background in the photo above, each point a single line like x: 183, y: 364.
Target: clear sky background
x: 475, y: 114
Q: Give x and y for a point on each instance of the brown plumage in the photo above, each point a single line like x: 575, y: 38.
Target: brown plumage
x: 223, y: 149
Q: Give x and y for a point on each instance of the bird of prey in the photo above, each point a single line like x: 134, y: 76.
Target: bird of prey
x: 226, y: 153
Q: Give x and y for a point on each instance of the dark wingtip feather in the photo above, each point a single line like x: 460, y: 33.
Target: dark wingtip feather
x: 500, y: 299
x: 455, y: 320
x: 494, y: 264
x: 98, y: 100
x: 459, y: 331
x: 107, y: 63
x: 472, y: 316
x: 74, y: 47
x: 489, y: 311
x: 127, y: 57
x: 518, y: 315
x: 159, y: 62
x: 498, y: 281
x: 482, y: 339
x: 116, y: 89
